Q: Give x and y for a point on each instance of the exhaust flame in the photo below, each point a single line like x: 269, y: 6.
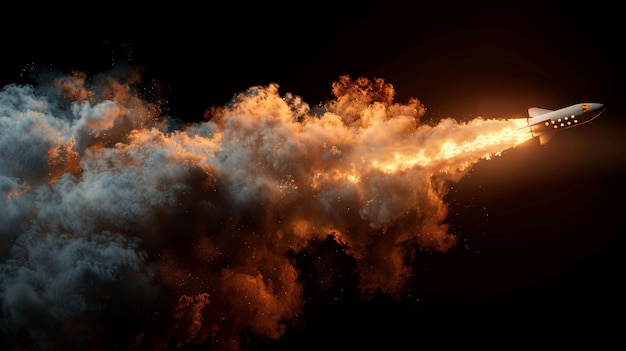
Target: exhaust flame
x: 505, y: 133
x: 157, y: 238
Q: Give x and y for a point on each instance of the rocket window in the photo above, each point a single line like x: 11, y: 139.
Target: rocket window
x: 585, y: 107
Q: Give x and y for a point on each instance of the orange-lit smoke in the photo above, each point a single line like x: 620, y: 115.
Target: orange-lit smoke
x: 105, y: 205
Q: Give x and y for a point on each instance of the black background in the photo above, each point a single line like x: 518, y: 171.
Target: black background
x: 540, y: 256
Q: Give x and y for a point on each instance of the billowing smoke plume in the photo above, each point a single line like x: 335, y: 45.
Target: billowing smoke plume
x: 117, y: 228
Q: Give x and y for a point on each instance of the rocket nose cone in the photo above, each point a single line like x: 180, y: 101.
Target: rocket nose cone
x: 595, y: 106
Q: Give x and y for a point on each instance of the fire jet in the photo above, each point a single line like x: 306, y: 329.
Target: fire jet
x: 545, y: 123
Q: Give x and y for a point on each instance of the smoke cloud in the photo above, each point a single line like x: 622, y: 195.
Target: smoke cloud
x: 120, y: 227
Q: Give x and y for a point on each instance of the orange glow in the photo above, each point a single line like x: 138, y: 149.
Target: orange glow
x: 62, y: 160
x: 13, y: 194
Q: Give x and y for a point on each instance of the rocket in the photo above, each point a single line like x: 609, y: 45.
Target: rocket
x: 545, y: 123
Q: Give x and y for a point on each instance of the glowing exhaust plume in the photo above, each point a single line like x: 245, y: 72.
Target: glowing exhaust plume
x: 117, y: 228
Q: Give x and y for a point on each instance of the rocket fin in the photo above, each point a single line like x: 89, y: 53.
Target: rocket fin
x: 545, y: 137
x: 537, y: 111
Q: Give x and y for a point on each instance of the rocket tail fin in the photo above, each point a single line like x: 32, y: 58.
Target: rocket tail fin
x: 537, y: 111
x: 545, y: 137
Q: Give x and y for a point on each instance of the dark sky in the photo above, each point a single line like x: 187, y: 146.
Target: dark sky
x: 540, y: 253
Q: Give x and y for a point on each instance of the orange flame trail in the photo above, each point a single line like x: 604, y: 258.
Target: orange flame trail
x: 505, y: 134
